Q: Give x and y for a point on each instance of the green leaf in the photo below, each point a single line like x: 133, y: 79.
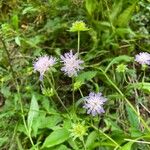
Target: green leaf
x: 56, y: 137
x: 50, y: 121
x: 91, y: 6
x: 125, y: 16
x: 33, y: 112
x: 61, y: 147
x: 116, y: 60
x: 144, y: 86
x: 91, y: 139
x: 17, y: 40
x: 132, y: 117
x: 117, y: 7
x: 86, y: 76
x: 15, y: 21
x: 127, y: 146
x: 3, y: 140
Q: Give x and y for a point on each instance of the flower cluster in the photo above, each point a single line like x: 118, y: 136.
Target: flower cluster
x: 94, y: 103
x: 43, y: 63
x: 78, y: 130
x: 78, y: 26
x: 121, y: 68
x: 143, y: 58
x: 71, y: 62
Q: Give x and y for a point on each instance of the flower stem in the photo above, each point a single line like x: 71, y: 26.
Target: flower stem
x: 107, y: 136
x: 78, y: 52
x: 51, y: 84
x: 18, y: 93
x: 73, y: 98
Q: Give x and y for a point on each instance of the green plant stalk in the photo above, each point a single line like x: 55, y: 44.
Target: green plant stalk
x: 73, y: 98
x: 18, y: 92
x: 107, y: 136
x: 78, y: 50
x: 82, y: 139
x: 55, y: 92
x: 8, y: 56
x: 81, y: 93
x: 128, y: 102
x: 24, y: 121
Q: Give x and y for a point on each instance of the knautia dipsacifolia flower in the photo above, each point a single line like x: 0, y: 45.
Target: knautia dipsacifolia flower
x: 72, y: 64
x: 121, y: 68
x: 143, y: 58
x: 94, y: 103
x: 43, y: 63
x: 78, y: 131
x: 78, y: 26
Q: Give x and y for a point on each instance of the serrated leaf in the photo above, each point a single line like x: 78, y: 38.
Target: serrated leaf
x: 33, y: 112
x: 132, y: 117
x: 56, y: 137
x: 117, y: 7
x: 86, y: 76
x: 144, y: 86
x: 125, y: 16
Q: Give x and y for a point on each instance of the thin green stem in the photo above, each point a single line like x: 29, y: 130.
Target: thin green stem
x: 52, y: 78
x: 23, y: 118
x: 50, y: 82
x: 73, y: 98
x: 18, y: 92
x: 78, y: 50
x: 81, y: 93
x: 83, y: 143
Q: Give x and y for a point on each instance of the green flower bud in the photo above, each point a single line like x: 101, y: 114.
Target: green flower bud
x: 121, y: 68
x: 77, y: 85
x: 78, y: 26
x: 48, y: 92
x: 78, y: 131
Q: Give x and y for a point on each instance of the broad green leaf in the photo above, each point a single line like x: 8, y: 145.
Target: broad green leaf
x: 73, y: 144
x: 91, y: 139
x: 50, y: 121
x: 56, y: 137
x: 33, y: 112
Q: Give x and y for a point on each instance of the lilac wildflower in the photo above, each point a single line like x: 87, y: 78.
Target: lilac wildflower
x: 43, y: 63
x: 94, y: 103
x: 143, y: 58
x: 72, y: 64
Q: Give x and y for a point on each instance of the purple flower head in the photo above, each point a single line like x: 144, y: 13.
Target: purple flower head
x: 43, y: 63
x: 72, y: 64
x: 143, y: 58
x: 94, y: 103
